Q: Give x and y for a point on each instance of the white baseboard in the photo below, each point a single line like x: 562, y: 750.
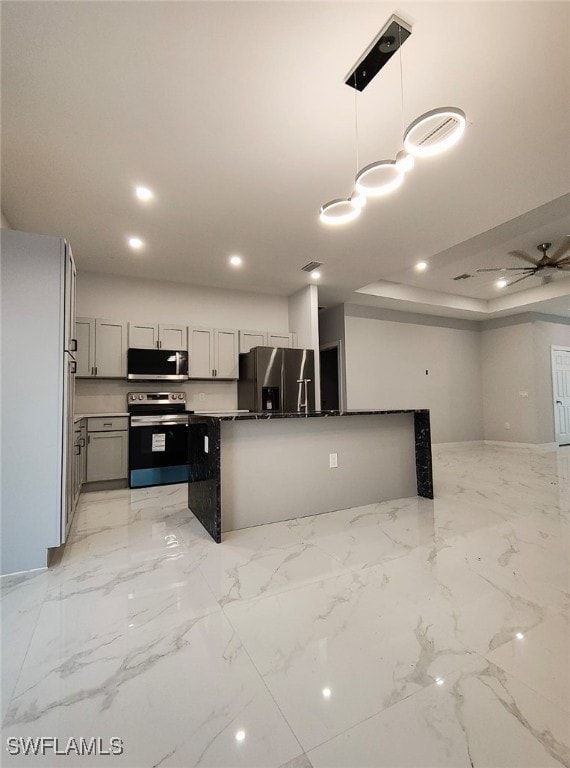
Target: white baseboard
x: 460, y: 444
x: 528, y: 446
x: 21, y: 573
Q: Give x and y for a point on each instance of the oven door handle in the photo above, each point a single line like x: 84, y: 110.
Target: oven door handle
x: 160, y: 424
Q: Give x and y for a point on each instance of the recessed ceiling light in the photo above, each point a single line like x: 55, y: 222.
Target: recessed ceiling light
x: 235, y: 261
x: 519, y: 636
x: 315, y: 275
x: 327, y: 693
x: 421, y: 265
x: 136, y: 243
x: 240, y: 735
x: 502, y: 282
x: 144, y: 193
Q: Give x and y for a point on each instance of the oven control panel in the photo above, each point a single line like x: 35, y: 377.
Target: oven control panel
x: 156, y: 398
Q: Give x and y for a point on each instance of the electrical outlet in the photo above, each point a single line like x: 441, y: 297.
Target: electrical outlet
x: 333, y: 460
x: 507, y: 424
x: 202, y: 396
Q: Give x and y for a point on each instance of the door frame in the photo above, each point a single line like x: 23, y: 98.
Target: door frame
x: 553, y: 349
x: 338, y: 346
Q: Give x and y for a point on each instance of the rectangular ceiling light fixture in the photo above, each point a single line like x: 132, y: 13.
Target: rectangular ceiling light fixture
x: 378, y: 53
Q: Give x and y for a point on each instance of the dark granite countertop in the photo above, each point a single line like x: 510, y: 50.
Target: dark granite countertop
x: 272, y: 415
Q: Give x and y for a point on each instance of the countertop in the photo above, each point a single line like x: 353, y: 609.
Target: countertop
x: 79, y: 416
x: 272, y: 415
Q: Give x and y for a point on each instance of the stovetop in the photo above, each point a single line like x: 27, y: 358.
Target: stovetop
x: 156, y: 403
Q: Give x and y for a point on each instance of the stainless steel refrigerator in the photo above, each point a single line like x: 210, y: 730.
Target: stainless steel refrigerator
x: 277, y: 379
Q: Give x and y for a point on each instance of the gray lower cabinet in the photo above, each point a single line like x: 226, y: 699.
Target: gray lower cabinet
x: 107, y: 449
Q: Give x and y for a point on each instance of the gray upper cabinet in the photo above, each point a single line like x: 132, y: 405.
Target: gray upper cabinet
x: 110, y: 348
x: 173, y: 337
x: 157, y: 336
x: 225, y: 353
x: 200, y: 353
x: 85, y: 356
x: 101, y: 348
x: 143, y: 335
x: 213, y: 353
x: 250, y: 339
x: 280, y: 340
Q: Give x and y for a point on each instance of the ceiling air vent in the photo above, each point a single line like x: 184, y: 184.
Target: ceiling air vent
x: 436, y: 130
x: 311, y: 266
x: 464, y: 276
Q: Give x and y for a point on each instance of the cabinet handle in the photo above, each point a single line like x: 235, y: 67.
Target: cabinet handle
x: 77, y: 449
x: 82, y: 442
x: 95, y: 370
x: 73, y: 345
x: 73, y: 367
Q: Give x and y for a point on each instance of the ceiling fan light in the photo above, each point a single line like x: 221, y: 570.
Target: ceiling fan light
x: 405, y: 161
x: 338, y: 212
x: 379, y: 178
x: 435, y: 131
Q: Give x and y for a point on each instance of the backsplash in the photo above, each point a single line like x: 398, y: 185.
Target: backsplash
x: 110, y: 395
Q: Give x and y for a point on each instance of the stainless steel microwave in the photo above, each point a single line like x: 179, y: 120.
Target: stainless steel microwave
x: 157, y: 365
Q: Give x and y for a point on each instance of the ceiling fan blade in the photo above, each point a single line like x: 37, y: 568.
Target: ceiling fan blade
x: 524, y: 256
x: 565, y: 267
x: 562, y: 262
x: 561, y: 251
x: 524, y: 277
x: 507, y: 269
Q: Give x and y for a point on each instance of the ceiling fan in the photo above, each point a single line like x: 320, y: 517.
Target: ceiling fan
x: 560, y: 260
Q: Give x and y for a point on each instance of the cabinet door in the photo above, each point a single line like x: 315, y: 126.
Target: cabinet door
x: 83, y: 468
x: 172, y: 337
x: 107, y: 456
x: 85, y: 355
x: 280, y: 340
x: 226, y: 353
x: 110, y: 349
x: 201, y: 353
x: 143, y: 335
x: 70, y: 278
x: 250, y: 339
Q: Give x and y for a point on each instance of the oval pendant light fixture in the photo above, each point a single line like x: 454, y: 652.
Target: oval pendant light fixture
x: 339, y: 212
x: 434, y: 131
x: 379, y: 178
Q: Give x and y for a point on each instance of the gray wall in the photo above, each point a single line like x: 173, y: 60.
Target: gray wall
x: 516, y: 359
x: 482, y: 375
x: 279, y: 469
x: 386, y: 363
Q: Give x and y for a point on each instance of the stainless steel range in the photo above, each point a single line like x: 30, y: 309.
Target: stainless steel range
x: 158, y: 438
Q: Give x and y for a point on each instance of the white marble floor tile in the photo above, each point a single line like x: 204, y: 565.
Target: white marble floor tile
x: 332, y: 653
x: 540, y: 658
x: 477, y: 716
x: 407, y: 633
x: 177, y: 695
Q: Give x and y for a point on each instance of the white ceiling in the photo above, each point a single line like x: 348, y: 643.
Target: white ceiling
x: 237, y: 116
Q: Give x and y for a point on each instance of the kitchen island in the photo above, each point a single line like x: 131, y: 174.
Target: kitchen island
x: 247, y: 469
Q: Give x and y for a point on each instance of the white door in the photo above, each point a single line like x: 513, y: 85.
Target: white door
x: 143, y: 335
x: 561, y: 388
x: 85, y: 355
x: 226, y: 354
x: 250, y: 339
x: 172, y: 337
x: 110, y: 349
x: 200, y: 353
x: 280, y: 340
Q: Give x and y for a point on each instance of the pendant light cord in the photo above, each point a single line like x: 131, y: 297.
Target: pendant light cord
x: 401, y: 77
x: 356, y: 121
